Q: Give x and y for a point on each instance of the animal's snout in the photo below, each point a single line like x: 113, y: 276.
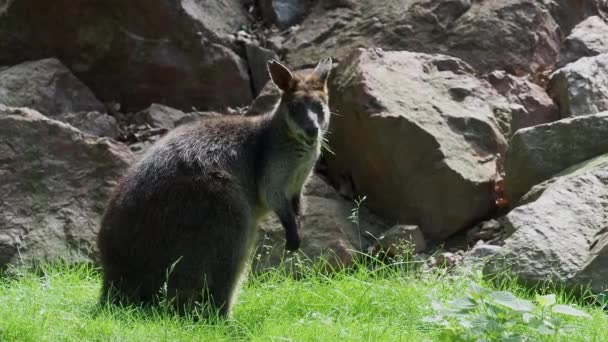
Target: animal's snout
x: 312, y: 131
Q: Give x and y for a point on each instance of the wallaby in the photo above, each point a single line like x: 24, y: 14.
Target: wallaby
x: 185, y: 217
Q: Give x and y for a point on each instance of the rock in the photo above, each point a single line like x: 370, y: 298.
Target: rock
x: 562, y: 235
x: 447, y: 260
x: 489, y: 231
x: 589, y: 38
x: 401, y: 239
x: 54, y: 182
x: 581, y: 88
x: 535, y: 105
x: 177, y: 53
x: 326, y: 228
x: 416, y: 134
x: 94, y: 123
x: 482, y: 251
x: 569, y: 13
x: 159, y: 116
x: 536, y: 154
x: 519, y: 36
x: 283, y: 13
x: 46, y: 86
x: 258, y: 57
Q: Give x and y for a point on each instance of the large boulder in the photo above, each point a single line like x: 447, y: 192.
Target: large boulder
x: 561, y: 235
x: 136, y: 52
x: 418, y: 135
x: 46, y: 86
x: 581, y: 88
x: 569, y: 13
x: 54, y: 182
x: 519, y: 36
x: 536, y: 154
x: 589, y: 38
x: 533, y: 105
x: 333, y: 229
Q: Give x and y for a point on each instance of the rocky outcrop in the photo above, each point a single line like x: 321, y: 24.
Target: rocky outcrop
x: 417, y: 134
x: 54, y: 182
x: 94, y: 123
x: 536, y: 154
x: 589, y: 38
x: 330, y: 231
x: 581, y: 88
x: 283, y: 13
x: 177, y: 53
x: 46, y: 86
x: 519, y: 36
x: 561, y: 235
x: 532, y: 105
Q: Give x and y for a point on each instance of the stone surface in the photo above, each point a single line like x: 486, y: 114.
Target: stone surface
x: 418, y: 135
x: 519, y: 36
x: 482, y: 251
x: 178, y: 53
x: 533, y: 105
x: 46, y: 86
x: 159, y: 116
x: 581, y: 88
x: 54, y: 182
x: 326, y: 228
x: 569, y: 13
x: 95, y: 123
x: 257, y: 58
x: 536, y: 154
x: 283, y: 13
x: 402, y: 239
x: 562, y: 235
x: 589, y: 38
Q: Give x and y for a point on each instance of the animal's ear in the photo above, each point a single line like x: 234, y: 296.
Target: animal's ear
x: 323, y: 69
x: 280, y: 75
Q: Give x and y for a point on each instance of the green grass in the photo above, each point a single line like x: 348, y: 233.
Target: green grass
x: 59, y: 303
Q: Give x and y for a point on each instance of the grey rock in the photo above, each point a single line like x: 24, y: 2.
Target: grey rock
x: 482, y: 251
x: 138, y: 52
x: 54, y: 182
x: 562, y: 235
x: 417, y: 134
x: 257, y: 58
x: 535, y: 105
x: 159, y: 116
x: 520, y: 36
x: 581, y: 88
x: 536, y: 154
x: 283, y: 13
x: 400, y: 238
x: 46, y: 86
x: 589, y: 38
x: 95, y: 123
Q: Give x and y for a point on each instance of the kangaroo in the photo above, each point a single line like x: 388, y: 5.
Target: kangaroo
x: 185, y: 217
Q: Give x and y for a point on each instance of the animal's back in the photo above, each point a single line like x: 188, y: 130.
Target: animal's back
x: 191, y: 200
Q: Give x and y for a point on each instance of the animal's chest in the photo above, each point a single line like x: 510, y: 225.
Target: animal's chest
x: 300, y: 174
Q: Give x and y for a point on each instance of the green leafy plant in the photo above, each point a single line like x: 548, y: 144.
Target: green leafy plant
x: 487, y: 315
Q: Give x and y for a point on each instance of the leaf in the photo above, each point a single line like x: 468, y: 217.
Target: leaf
x: 547, y: 300
x: 569, y: 311
x: 545, y: 330
x: 462, y: 304
x: 507, y: 299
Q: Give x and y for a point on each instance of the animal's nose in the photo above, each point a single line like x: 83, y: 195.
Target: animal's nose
x: 312, y: 131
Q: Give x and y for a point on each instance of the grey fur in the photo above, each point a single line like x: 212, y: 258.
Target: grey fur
x: 196, y: 198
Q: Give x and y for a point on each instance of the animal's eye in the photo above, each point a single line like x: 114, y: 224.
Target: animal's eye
x: 316, y: 107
